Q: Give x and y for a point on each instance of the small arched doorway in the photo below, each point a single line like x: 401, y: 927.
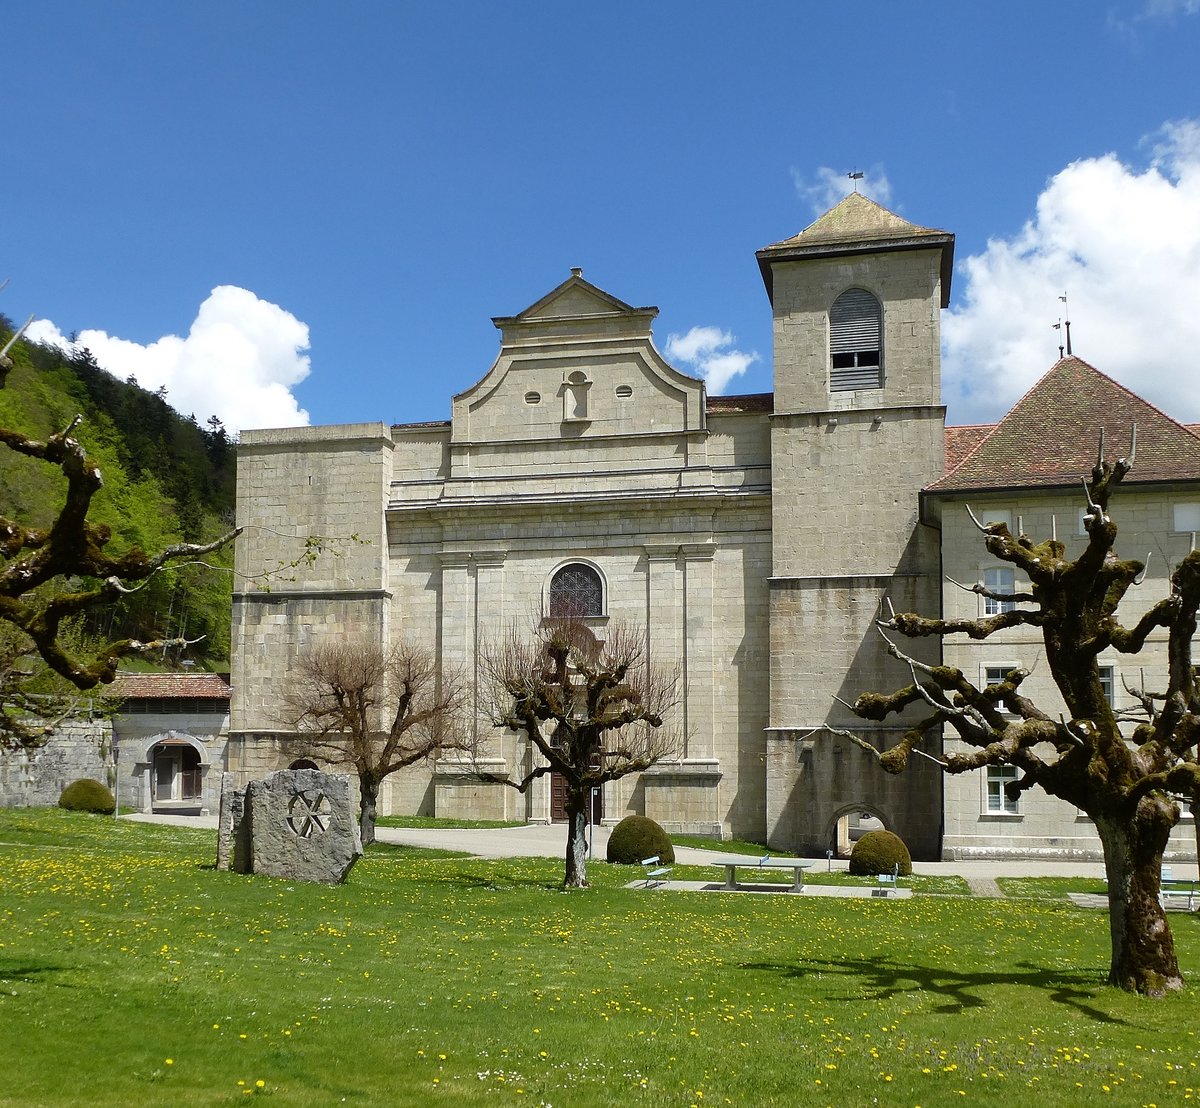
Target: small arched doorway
x: 176, y: 775
x: 850, y: 824
x: 303, y: 763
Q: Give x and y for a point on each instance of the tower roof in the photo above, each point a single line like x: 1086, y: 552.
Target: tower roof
x: 858, y: 225
x: 1051, y: 436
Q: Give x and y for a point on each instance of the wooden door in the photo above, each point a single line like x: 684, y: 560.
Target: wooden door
x: 558, y: 801
x: 558, y: 798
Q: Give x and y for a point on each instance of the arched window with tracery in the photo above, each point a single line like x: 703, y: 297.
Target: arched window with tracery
x: 855, y: 342
x: 576, y: 592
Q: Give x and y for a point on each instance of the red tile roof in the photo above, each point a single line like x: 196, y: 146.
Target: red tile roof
x: 752, y: 402
x: 171, y: 686
x: 1051, y: 436
x: 960, y: 441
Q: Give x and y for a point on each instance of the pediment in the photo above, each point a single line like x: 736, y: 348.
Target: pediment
x: 575, y: 298
x: 575, y: 364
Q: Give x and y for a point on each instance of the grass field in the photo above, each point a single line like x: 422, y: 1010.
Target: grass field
x: 132, y: 973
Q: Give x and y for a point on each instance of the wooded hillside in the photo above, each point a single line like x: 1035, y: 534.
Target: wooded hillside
x: 166, y: 479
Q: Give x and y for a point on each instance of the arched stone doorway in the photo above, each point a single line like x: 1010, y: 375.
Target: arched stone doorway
x: 176, y: 774
x: 303, y: 763
x: 850, y: 823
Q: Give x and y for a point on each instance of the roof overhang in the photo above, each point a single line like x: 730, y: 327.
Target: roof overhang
x: 789, y: 251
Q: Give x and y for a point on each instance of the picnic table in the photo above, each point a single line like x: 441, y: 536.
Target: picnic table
x: 733, y: 861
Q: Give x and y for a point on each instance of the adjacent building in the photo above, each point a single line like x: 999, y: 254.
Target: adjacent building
x: 158, y: 740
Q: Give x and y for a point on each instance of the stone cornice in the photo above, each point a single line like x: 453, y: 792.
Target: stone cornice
x: 283, y: 595
x: 662, y: 497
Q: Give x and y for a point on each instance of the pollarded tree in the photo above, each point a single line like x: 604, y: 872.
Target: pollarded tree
x: 376, y: 711
x: 51, y: 575
x: 34, y: 700
x: 1126, y: 771
x: 595, y: 712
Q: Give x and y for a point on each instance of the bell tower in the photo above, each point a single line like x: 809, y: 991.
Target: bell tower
x: 858, y: 430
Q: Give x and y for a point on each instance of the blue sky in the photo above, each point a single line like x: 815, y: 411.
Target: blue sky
x: 367, y: 184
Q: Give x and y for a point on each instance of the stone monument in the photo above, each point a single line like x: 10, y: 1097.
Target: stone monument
x: 297, y: 823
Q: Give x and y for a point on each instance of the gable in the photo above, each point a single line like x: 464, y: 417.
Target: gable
x: 1052, y: 435
x: 574, y: 298
x: 578, y: 363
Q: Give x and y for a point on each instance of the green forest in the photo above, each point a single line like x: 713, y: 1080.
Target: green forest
x: 166, y: 479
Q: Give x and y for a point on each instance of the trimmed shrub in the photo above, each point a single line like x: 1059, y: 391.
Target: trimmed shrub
x: 880, y: 852
x: 87, y: 795
x: 638, y: 837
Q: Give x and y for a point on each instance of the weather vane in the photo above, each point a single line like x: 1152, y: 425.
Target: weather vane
x: 1059, y: 326
x: 855, y: 176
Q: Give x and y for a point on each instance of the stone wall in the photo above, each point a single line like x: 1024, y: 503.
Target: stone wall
x: 908, y: 285
x: 294, y: 485
x: 36, y: 778
x: 136, y: 734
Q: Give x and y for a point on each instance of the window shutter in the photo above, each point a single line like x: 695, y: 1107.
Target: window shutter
x: 855, y: 342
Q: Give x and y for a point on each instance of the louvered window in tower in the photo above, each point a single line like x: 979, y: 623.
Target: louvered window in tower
x: 855, y: 342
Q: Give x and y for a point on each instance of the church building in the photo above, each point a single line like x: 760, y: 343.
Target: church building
x: 753, y: 538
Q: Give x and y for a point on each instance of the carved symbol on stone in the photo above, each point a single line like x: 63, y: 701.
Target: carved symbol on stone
x: 308, y: 814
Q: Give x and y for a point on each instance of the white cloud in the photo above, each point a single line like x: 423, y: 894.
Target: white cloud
x: 1124, y: 245
x: 702, y: 350
x: 239, y: 361
x: 828, y: 186
x: 1167, y: 8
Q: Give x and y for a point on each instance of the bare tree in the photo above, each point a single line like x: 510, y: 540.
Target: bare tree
x: 375, y: 710
x: 1129, y: 780
x: 50, y: 575
x: 595, y: 712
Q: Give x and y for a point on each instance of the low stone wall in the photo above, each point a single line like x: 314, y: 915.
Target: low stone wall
x: 35, y: 778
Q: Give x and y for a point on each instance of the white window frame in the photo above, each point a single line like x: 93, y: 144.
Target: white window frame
x: 995, y: 799
x: 1108, y: 682
x: 991, y: 606
x: 993, y: 675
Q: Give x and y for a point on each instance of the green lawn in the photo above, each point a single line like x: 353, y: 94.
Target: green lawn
x: 133, y: 973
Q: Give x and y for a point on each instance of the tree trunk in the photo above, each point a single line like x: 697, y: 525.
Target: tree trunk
x: 576, y: 876
x: 1196, y: 829
x: 368, y: 798
x: 1143, y: 950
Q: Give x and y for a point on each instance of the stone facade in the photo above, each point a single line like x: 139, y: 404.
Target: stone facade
x: 754, y: 538
x: 163, y: 750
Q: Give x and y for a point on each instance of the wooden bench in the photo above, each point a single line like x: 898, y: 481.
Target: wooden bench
x: 653, y: 873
